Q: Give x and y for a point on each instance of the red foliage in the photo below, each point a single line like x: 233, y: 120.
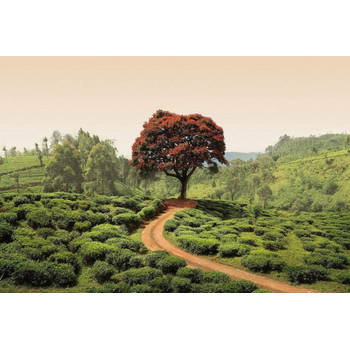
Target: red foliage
x: 178, y: 143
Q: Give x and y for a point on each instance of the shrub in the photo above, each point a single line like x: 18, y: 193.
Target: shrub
x: 141, y: 288
x: 237, y: 286
x: 306, y: 274
x: 233, y: 249
x: 327, y: 259
x: 63, y: 275
x: 104, y: 232
x: 170, y: 264
x: 161, y: 284
x: 127, y: 243
x: 9, y: 216
x: 32, y: 273
x: 171, y: 225
x: 9, y: 262
x: 92, y: 251
x: 309, y: 246
x: 247, y: 241
x: 140, y: 276
x: 274, y: 245
x: 214, y: 277
x: 131, y: 221
x: 45, y: 232
x: 195, y: 275
x: 66, y: 258
x: 344, y: 277
x: 76, y: 243
x: 61, y: 237
x: 241, y: 227
x: 151, y: 259
x: 120, y: 210
x: 102, y: 271
x: 181, y: 284
x: 39, y: 218
x: 263, y: 261
x: 82, y: 226
x: 120, y: 259
x: 200, y: 246
x: 148, y: 212
x: 136, y: 261
x: 6, y: 232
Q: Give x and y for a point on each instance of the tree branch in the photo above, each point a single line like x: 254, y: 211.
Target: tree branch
x: 169, y: 174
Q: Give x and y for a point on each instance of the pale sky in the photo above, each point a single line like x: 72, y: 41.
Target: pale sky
x: 254, y: 99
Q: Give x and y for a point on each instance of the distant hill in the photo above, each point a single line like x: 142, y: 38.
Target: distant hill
x: 241, y: 155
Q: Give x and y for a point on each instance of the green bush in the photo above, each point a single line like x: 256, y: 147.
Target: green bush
x: 63, y: 275
x: 148, y: 212
x: 195, y: 275
x: 327, y: 258
x: 141, y: 288
x: 171, y: 225
x: 102, y: 271
x: 233, y: 249
x: 139, y: 276
x: 62, y: 237
x: 161, y: 284
x: 241, y: 227
x: 120, y: 259
x: 120, y: 210
x: 9, y: 216
x: 9, y: 262
x: 6, y: 232
x: 151, y: 259
x: 214, y: 277
x: 92, y: 251
x: 36, y: 274
x: 274, y: 245
x: 344, y: 277
x: 39, y: 218
x: 66, y: 257
x: 237, y: 286
x: 263, y: 261
x: 181, y: 284
x: 248, y: 241
x: 170, y: 264
x: 307, y: 274
x: 131, y: 221
x: 82, y: 226
x: 103, y: 232
x: 200, y: 246
x: 76, y: 243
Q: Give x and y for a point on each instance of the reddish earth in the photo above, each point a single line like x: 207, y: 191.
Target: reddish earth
x: 153, y: 238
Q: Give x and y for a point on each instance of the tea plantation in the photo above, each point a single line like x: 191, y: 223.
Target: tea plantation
x: 311, y: 249
x: 65, y: 242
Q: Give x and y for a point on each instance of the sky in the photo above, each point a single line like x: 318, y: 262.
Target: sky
x: 254, y: 99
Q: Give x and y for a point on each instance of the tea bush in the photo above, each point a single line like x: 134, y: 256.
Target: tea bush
x: 92, y: 251
x: 233, y: 249
x: 307, y: 274
x: 263, y: 261
x: 66, y: 257
x: 6, y: 232
x: 131, y: 221
x: 344, y: 277
x: 102, y: 271
x: 170, y: 264
x: 142, y: 275
x: 198, y: 246
x: 181, y: 285
x: 39, y: 218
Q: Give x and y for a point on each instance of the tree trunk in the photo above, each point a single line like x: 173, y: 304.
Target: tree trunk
x: 183, y: 188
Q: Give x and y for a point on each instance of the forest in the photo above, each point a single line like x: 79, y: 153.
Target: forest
x: 72, y: 212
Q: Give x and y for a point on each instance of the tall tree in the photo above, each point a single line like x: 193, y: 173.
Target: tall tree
x: 178, y: 145
x: 45, y: 146
x: 39, y: 154
x: 85, y: 144
x: 5, y: 151
x: 56, y: 138
x: 63, y: 171
x: 101, y: 168
x: 265, y: 194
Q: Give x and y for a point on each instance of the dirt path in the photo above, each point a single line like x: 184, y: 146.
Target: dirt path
x: 153, y: 238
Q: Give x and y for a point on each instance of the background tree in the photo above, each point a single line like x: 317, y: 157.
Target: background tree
x: 56, y: 138
x: 39, y: 154
x: 13, y: 151
x: 5, y: 151
x: 178, y: 145
x: 45, y: 146
x: 85, y: 143
x: 265, y: 194
x: 101, y: 168
x: 64, y: 172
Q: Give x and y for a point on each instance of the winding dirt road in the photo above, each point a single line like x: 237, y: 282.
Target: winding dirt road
x: 153, y: 238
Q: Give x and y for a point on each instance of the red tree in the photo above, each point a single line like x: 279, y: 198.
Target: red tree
x: 178, y: 145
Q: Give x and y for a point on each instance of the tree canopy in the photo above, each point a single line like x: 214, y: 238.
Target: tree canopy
x: 178, y: 145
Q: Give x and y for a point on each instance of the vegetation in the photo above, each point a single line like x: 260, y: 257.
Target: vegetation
x: 305, y: 248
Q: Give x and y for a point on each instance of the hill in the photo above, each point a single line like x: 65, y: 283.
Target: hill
x: 241, y: 155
